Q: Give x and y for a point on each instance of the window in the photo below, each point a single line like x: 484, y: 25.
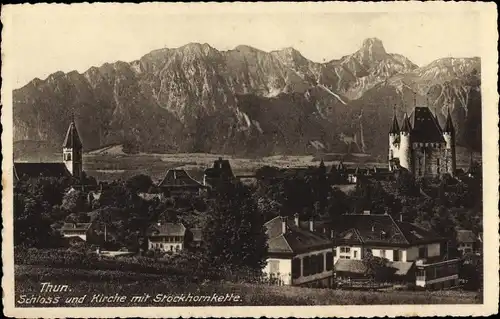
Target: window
x: 422, y: 252
x: 305, y: 266
x: 345, y: 250
x: 321, y: 262
x: 296, y: 268
x: 395, y: 255
x: 355, y: 254
x: 67, y: 156
x: 438, y: 166
x: 329, y: 261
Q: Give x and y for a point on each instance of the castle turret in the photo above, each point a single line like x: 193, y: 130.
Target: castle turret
x: 72, y: 151
x: 449, y: 138
x: 393, y: 140
x: 405, y: 145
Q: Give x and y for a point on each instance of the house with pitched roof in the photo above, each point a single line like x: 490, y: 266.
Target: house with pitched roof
x: 415, y: 253
x: 71, y: 164
x: 421, y: 145
x: 84, y: 231
x: 298, y: 256
x: 220, y: 171
x: 178, y: 182
x: 166, y: 237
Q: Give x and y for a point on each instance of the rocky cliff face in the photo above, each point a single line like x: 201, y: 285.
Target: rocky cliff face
x: 196, y: 98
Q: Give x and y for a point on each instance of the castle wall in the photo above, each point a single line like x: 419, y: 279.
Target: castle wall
x: 429, y: 162
x: 405, y: 156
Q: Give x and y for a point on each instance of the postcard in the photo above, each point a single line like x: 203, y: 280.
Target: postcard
x: 250, y: 159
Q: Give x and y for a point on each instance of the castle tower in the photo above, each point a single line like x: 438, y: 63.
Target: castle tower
x: 72, y: 151
x: 449, y: 138
x: 405, y: 158
x: 393, y: 139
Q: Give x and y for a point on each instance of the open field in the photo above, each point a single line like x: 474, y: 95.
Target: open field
x: 87, y: 283
x: 111, y: 163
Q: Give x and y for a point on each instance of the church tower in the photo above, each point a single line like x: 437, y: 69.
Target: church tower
x: 393, y: 140
x: 449, y: 138
x: 72, y: 151
x: 405, y: 153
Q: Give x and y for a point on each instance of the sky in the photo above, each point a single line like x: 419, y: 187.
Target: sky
x: 49, y: 38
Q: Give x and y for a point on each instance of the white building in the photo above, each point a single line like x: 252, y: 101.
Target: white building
x: 407, y: 247
x: 166, y: 237
x: 298, y: 256
x: 83, y: 231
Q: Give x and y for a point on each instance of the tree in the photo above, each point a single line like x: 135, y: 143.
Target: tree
x: 139, y: 183
x: 36, y: 204
x: 405, y: 182
x: 74, y: 201
x: 234, y: 233
x: 376, y: 267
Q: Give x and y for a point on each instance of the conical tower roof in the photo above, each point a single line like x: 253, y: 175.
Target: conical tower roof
x: 449, y: 123
x: 72, y: 139
x: 394, y: 126
x: 406, y: 124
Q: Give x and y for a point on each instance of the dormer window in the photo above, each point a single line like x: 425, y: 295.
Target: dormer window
x: 67, y: 157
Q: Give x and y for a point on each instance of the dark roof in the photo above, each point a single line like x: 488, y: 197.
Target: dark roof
x: 466, y: 236
x: 221, y: 168
x: 40, y: 170
x: 178, y: 177
x: 76, y: 226
x: 380, y: 229
x: 167, y: 229
x: 426, y: 127
x: 402, y: 268
x: 406, y: 124
x: 354, y: 266
x: 294, y: 240
x: 416, y: 234
x: 449, y: 123
x: 72, y: 139
x: 394, y: 126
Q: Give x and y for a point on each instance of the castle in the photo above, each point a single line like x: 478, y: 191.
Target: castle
x: 421, y: 146
x: 71, y: 164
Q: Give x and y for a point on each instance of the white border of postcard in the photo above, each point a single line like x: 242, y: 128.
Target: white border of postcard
x: 487, y: 39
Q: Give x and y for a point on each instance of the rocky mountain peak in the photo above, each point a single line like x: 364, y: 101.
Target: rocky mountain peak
x: 373, y: 49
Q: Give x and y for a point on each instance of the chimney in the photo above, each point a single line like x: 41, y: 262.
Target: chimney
x: 324, y: 231
x: 311, y: 224
x: 296, y: 219
x: 386, y: 211
x: 366, y: 212
x: 332, y: 234
x: 283, y: 225
x: 400, y: 217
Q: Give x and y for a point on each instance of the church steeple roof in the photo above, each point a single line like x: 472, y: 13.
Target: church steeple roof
x: 406, y: 124
x: 394, y: 126
x: 449, y: 123
x: 72, y: 139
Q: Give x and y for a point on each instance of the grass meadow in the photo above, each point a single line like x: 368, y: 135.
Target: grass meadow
x: 28, y: 279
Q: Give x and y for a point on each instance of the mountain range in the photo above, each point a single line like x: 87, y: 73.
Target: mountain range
x: 247, y: 101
